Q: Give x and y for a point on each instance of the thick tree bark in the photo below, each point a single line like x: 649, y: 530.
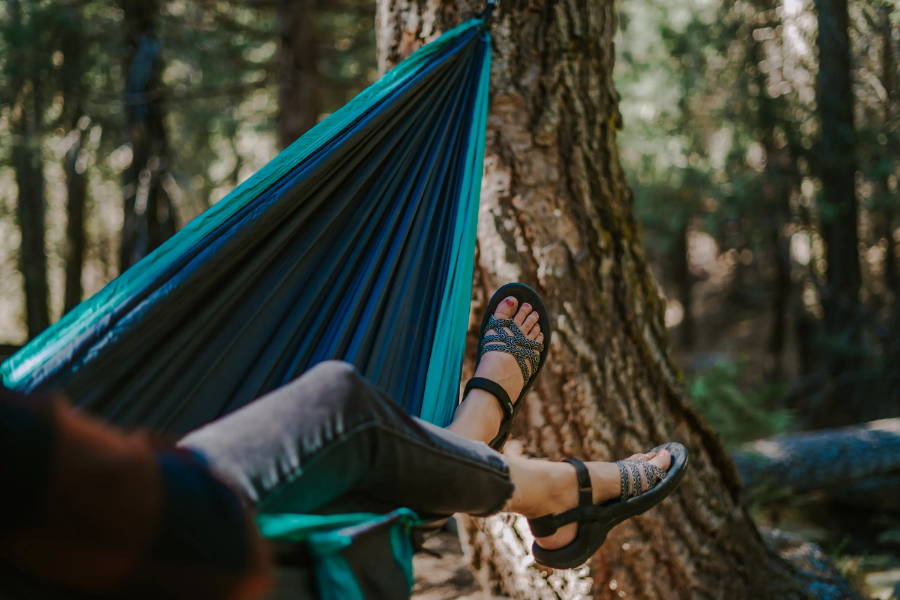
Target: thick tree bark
x: 556, y: 213
x: 838, y: 213
x: 149, y: 213
x: 298, y: 70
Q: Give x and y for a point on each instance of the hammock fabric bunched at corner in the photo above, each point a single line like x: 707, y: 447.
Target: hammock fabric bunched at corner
x: 356, y: 242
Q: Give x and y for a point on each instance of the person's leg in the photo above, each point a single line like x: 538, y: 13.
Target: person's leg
x: 541, y: 487
x: 330, y: 433
x: 478, y: 416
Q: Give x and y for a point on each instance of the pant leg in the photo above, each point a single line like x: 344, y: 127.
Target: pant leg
x: 330, y: 434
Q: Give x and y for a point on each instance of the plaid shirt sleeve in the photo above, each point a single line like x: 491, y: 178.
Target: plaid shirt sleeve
x: 91, y: 508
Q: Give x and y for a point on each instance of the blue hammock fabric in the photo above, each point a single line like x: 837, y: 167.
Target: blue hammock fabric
x: 347, y: 245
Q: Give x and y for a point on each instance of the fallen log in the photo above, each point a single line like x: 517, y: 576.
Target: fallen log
x: 864, y: 457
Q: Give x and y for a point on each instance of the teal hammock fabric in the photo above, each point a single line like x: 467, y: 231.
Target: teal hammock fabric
x: 356, y: 243
x: 342, y: 546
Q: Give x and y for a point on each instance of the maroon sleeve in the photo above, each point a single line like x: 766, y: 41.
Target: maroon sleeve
x: 26, y: 448
x: 114, y: 515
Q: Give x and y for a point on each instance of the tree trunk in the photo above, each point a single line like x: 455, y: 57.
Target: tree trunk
x: 72, y: 91
x: 7, y: 350
x: 776, y: 193
x: 149, y: 213
x: 775, y: 188
x: 886, y: 213
x: 76, y: 241
x: 781, y: 289
x: 886, y: 200
x: 838, y: 214
x: 556, y: 213
x: 298, y: 72
x: 687, y: 331
x: 28, y: 162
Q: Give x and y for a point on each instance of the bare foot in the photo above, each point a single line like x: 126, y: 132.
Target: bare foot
x: 479, y: 416
x: 544, y: 487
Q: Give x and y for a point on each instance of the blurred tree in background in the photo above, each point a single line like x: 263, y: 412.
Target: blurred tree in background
x: 26, y: 69
x: 150, y: 212
x: 122, y: 120
x: 763, y: 160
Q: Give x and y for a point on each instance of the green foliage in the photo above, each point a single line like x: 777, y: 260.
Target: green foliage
x: 62, y: 64
x: 891, y: 536
x: 736, y: 413
x: 721, y: 143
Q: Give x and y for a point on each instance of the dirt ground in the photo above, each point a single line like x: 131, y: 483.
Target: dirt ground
x: 442, y: 572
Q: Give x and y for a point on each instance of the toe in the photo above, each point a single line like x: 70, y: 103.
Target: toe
x: 522, y: 314
x: 663, y: 460
x: 530, y: 327
x: 507, y: 308
x: 540, y: 338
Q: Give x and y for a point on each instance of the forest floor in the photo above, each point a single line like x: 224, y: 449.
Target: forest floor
x: 443, y: 573
x: 864, y: 550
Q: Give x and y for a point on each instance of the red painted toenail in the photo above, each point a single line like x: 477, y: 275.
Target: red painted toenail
x: 510, y: 301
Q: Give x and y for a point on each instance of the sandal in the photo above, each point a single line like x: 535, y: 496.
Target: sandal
x: 510, y: 339
x: 595, y: 520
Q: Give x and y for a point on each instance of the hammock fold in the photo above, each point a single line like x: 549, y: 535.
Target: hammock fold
x: 356, y: 243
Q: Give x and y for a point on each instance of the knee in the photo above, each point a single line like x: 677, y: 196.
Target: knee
x: 339, y: 384
x: 337, y: 372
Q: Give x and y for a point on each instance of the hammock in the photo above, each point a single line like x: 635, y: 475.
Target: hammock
x: 346, y: 245
x: 329, y: 251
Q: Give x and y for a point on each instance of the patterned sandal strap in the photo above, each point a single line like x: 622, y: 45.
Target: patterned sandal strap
x: 515, y: 343
x: 630, y: 481
x: 494, y: 323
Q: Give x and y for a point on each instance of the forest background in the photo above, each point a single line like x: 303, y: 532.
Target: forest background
x: 763, y: 162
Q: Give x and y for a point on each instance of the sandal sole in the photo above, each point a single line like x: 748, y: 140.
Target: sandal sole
x: 592, y: 534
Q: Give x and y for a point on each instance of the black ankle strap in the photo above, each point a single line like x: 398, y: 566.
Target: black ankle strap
x: 548, y: 524
x: 494, y: 389
x: 543, y: 526
x: 585, y: 494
